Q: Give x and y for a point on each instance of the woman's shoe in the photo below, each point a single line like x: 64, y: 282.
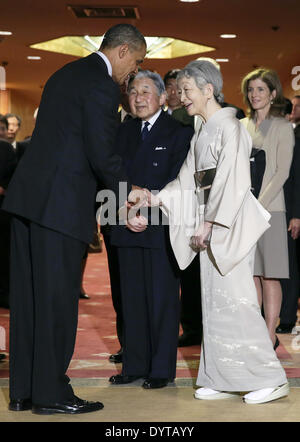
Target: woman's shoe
x: 277, y: 342
x: 209, y: 394
x: 276, y: 393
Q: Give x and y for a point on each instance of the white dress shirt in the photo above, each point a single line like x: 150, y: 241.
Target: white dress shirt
x: 151, y: 120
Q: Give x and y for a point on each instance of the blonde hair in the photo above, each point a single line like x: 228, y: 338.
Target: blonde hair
x: 271, y: 79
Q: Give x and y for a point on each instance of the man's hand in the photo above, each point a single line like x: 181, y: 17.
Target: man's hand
x: 200, y: 239
x: 130, y: 211
x: 137, y: 198
x: 137, y: 224
x: 152, y: 200
x: 294, y: 227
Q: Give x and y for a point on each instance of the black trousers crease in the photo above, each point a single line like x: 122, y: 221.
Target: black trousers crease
x: 45, y: 283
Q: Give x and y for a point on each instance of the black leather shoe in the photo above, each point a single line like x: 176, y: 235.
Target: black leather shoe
x: 117, y: 358
x: 2, y: 356
x: 188, y: 340
x: 20, y: 404
x: 155, y: 383
x: 83, y: 296
x: 119, y: 379
x: 76, y: 406
x: 285, y: 328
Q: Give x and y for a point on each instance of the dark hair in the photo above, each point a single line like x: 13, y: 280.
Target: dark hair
x: 172, y: 74
x: 4, y: 120
x: 271, y: 79
x: 288, y: 106
x: 121, y: 34
x: 16, y: 116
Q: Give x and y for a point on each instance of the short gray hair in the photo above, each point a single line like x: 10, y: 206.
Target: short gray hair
x: 121, y: 34
x: 204, y: 72
x: 156, y: 78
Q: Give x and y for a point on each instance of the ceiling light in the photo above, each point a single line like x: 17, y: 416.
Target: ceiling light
x: 33, y: 57
x: 91, y: 41
x: 189, y: 1
x: 228, y: 35
x: 5, y: 33
x: 222, y: 60
x: 157, y: 47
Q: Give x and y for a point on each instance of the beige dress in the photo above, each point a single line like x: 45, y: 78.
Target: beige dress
x: 271, y: 257
x: 237, y: 353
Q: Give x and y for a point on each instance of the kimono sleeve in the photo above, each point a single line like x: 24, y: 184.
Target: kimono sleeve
x: 179, y: 203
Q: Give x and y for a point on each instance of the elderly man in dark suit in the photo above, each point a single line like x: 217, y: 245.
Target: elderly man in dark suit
x: 153, y: 147
x: 52, y: 197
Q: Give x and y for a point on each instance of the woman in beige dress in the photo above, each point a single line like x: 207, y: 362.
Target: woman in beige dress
x: 237, y: 353
x: 271, y: 132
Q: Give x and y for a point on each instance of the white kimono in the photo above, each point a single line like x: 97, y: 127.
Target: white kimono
x: 237, y: 353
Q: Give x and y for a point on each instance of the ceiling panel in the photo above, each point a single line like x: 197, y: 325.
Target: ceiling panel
x: 268, y: 34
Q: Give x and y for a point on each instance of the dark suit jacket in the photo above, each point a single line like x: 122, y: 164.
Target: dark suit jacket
x: 72, y: 147
x: 8, y: 164
x: 151, y: 163
x: 21, y: 147
x: 292, y: 185
x: 181, y: 115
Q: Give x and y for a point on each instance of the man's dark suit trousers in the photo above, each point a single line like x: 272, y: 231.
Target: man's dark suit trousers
x: 45, y: 285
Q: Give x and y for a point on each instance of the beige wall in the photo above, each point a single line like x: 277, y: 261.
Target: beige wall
x: 4, y: 101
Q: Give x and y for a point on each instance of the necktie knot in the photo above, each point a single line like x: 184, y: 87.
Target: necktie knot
x: 145, y: 130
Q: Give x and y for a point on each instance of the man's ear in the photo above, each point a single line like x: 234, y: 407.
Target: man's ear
x: 123, y: 49
x: 162, y: 99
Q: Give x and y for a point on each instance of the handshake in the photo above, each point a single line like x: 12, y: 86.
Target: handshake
x: 130, y: 212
